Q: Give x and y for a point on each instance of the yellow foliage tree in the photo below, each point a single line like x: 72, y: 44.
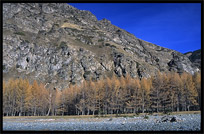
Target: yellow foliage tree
x: 189, y: 91
x: 145, y: 91
x: 197, y: 82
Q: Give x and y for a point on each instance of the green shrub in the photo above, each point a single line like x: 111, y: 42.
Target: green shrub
x: 88, y: 38
x: 131, y: 116
x: 137, y: 64
x: 93, y: 79
x: 73, y: 83
x: 4, y: 67
x: 150, y: 112
x: 107, y: 44
x: 95, y: 28
x: 100, y: 40
x: 146, y: 117
x: 113, y: 46
x: 136, y: 114
x: 19, y: 33
x: 73, y: 29
x: 100, y: 46
x: 125, y: 116
x: 27, y: 41
x: 101, y: 113
x: 57, y: 25
x: 160, y: 49
x: 87, y: 72
x: 63, y: 44
x: 78, y: 39
x: 167, y: 112
x: 96, y: 116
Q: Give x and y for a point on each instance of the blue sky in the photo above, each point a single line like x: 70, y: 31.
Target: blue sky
x: 172, y: 25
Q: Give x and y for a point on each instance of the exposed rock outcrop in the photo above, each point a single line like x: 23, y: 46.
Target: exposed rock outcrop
x: 59, y: 44
x: 195, y: 57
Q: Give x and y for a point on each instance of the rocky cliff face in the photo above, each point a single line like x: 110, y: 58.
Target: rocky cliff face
x: 58, y: 44
x: 195, y: 57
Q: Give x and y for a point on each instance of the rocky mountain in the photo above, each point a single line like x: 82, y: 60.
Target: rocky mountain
x: 58, y: 44
x: 195, y: 57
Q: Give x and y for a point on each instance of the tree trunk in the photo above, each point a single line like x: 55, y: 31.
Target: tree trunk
x: 143, y: 108
x: 188, y: 107
x: 178, y: 103
x: 172, y: 107
x: 157, y: 107
x: 199, y: 102
x: 48, y: 113
x: 117, y: 111
x: 157, y: 101
x: 143, y: 102
x: 21, y: 107
x: 134, y: 110
x: 35, y: 111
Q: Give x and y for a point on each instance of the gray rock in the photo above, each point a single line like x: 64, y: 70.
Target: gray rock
x: 191, y: 123
x: 195, y: 58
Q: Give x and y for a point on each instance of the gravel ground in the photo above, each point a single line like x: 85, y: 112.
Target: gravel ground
x: 186, y: 122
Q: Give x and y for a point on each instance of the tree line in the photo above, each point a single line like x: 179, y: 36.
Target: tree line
x: 165, y: 92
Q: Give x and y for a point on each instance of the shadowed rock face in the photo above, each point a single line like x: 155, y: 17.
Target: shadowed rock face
x: 59, y: 44
x: 195, y: 57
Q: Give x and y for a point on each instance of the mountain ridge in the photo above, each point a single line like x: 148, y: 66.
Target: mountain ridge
x: 59, y: 44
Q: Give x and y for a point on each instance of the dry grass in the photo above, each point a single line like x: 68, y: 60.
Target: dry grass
x: 182, y: 112
x: 186, y: 112
x: 70, y: 25
x: 92, y: 116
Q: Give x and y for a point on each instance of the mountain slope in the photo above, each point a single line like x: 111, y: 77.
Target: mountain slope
x: 58, y: 44
x: 195, y: 57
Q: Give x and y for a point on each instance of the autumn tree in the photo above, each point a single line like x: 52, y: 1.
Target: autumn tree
x: 175, y: 88
x: 43, y: 99
x: 65, y: 100
x: 21, y: 87
x: 108, y: 95
x: 197, y: 82
x: 97, y: 90
x: 81, y: 99
x: 155, y: 93
x: 115, y: 85
x: 91, y: 98
x: 145, y: 91
x: 134, y: 99
x: 115, y: 95
x: 34, y: 97
x: 166, y: 94
x: 189, y: 91
x: 10, y: 97
x: 6, y: 98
